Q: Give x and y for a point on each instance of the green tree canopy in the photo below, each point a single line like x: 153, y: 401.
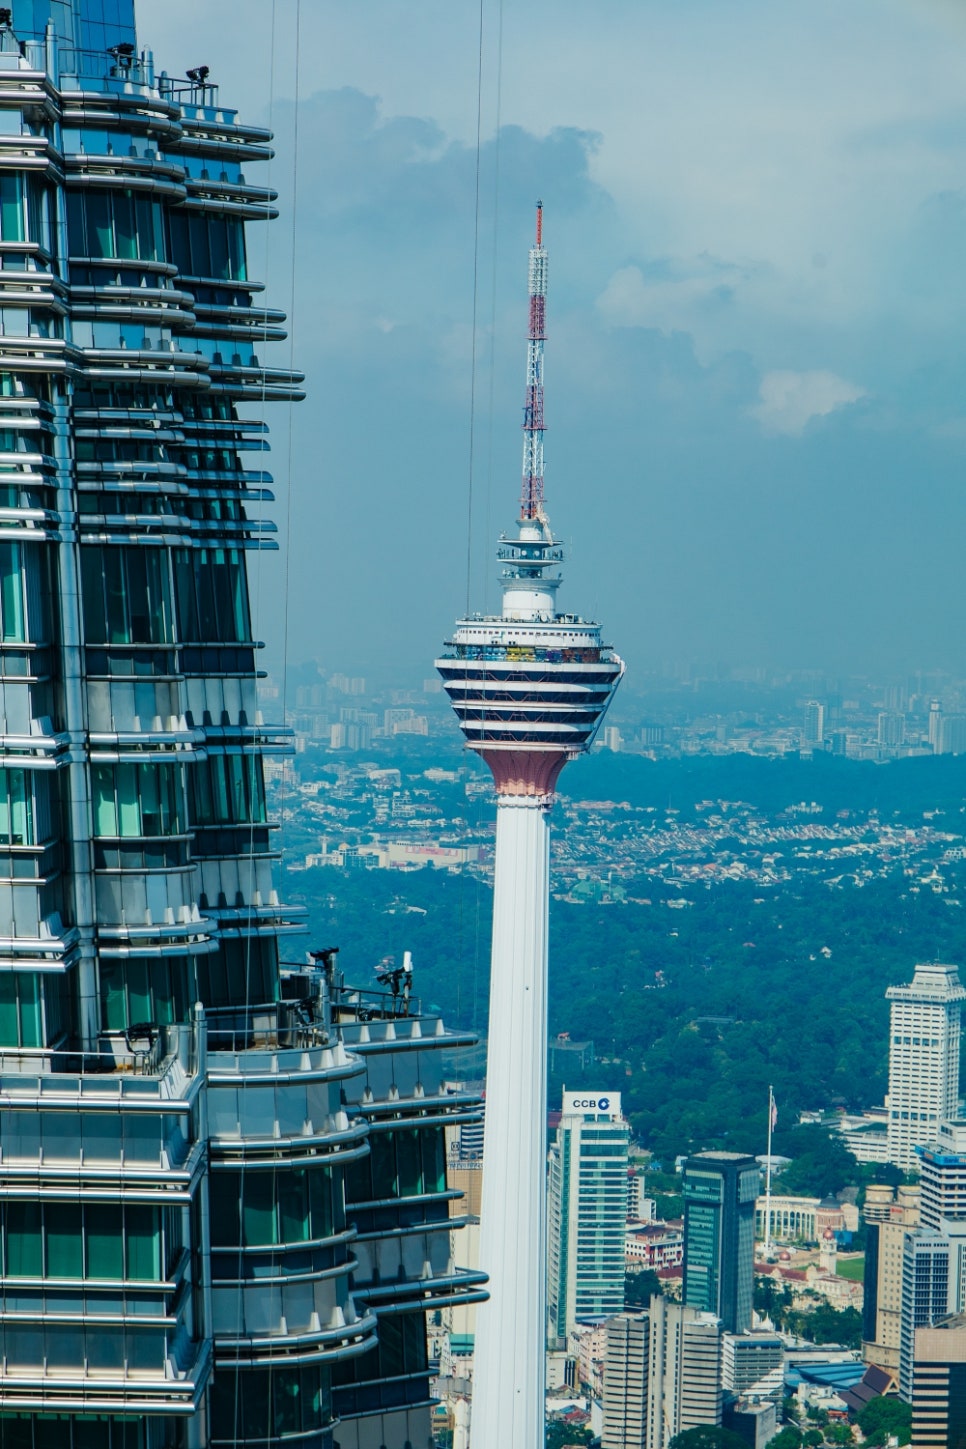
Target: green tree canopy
x: 787, y: 1438
x: 559, y: 1435
x: 885, y: 1416
x: 640, y: 1288
x: 707, y: 1436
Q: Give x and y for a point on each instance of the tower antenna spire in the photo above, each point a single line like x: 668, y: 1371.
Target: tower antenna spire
x: 531, y: 501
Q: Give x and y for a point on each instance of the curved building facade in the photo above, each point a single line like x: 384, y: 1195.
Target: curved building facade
x: 178, y: 1267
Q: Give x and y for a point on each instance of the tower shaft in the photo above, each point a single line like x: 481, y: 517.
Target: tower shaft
x: 509, y: 1368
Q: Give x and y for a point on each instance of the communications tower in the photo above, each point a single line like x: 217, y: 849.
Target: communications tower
x: 529, y: 687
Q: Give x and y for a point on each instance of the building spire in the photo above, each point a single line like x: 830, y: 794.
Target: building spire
x: 531, y: 502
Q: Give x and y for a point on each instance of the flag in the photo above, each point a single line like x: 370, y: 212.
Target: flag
x: 774, y: 1113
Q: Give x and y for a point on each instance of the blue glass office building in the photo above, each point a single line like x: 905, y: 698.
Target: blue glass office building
x: 223, y: 1206
x: 720, y: 1190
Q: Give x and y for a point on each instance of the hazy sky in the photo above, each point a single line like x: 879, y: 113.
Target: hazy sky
x: 756, y: 385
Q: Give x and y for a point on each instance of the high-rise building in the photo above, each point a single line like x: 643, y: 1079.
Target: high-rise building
x: 923, y: 1059
x: 814, y: 725
x: 626, y: 1363
x: 888, y: 1217
x: 530, y: 687
x: 891, y: 729
x: 939, y: 1385
x: 749, y: 1358
x: 587, y: 1212
x: 925, y: 1294
x: 942, y: 1174
x: 935, y: 724
x: 952, y: 735
x: 720, y: 1190
x: 178, y: 1268
x: 684, y: 1371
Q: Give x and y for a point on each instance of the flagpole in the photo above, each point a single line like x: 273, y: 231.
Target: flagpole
x: 771, y: 1118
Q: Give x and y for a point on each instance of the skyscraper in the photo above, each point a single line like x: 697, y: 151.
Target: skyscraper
x: 942, y: 1174
x: 886, y: 1229
x: 720, y: 1190
x: 530, y: 687
x: 814, y: 725
x: 178, y: 1269
x: 626, y: 1368
x: 923, y: 1059
x: 939, y: 1385
x: 684, y: 1371
x: 587, y: 1212
x: 925, y: 1294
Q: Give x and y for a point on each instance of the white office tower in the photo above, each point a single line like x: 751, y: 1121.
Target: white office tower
x: 530, y: 687
x: 625, y: 1381
x: 923, y: 1059
x: 587, y: 1217
x: 684, y: 1371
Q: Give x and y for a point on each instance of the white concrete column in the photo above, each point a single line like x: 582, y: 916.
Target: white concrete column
x: 509, y: 1360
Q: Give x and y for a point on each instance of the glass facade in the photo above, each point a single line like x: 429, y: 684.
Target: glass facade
x: 720, y: 1190
x: 179, y: 1115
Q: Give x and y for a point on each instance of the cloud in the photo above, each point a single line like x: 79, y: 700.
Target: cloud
x: 672, y: 297
x: 788, y: 401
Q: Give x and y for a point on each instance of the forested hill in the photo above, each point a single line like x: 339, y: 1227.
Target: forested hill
x: 794, y: 975
x: 907, y: 787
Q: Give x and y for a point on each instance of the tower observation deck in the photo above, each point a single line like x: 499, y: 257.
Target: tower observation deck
x: 530, y: 687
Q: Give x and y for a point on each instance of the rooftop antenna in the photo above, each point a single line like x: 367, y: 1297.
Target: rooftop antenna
x: 399, y: 980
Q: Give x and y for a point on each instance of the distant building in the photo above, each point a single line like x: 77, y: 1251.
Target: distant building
x: 684, y: 1371
x: 754, y: 1420
x: 892, y: 730
x: 626, y: 1362
x: 792, y: 1219
x: 923, y: 1059
x: 939, y: 1385
x: 587, y: 1211
x: 814, y: 727
x: 720, y: 1189
x: 888, y: 1217
x: 925, y: 1295
x: 653, y: 1247
x: 952, y: 735
x: 935, y: 724
x: 942, y: 1174
x: 747, y: 1358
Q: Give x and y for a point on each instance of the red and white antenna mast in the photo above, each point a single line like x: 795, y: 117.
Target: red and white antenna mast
x: 531, y: 502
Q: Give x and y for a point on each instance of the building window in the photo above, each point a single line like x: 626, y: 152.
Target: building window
x: 277, y: 1208
x: 90, y: 1240
x: 139, y: 990
x: 21, y: 1010
x: 212, y: 596
x: 16, y: 808
x: 203, y: 245
x: 242, y: 972
x: 228, y: 790
x: 406, y: 1163
x: 120, y: 224
x: 127, y: 597
x: 257, y: 1404
x: 137, y: 801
